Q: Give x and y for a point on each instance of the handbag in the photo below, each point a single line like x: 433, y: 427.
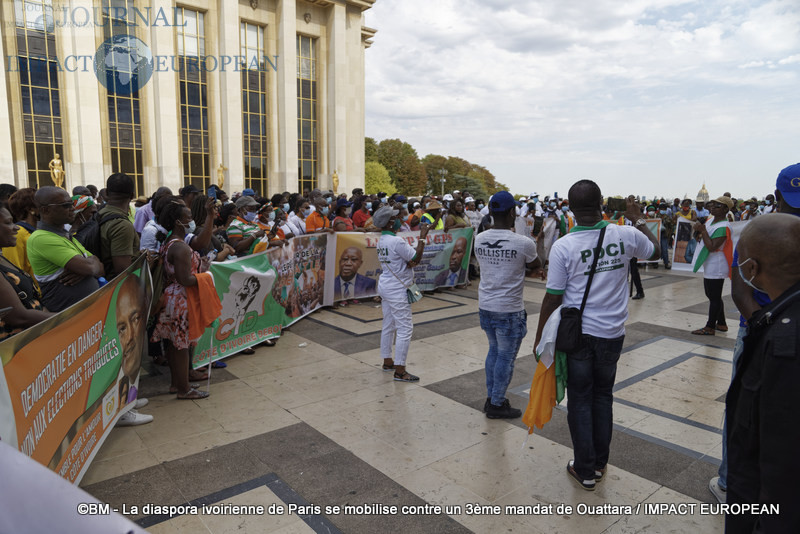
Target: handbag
x: 413, y: 292
x: 570, y: 330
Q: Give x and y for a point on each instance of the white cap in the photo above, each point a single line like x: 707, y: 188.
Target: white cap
x: 468, y: 200
x: 448, y: 197
x: 534, y: 194
x: 456, y: 191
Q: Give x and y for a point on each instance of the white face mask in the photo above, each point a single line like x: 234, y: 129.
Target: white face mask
x: 745, y: 280
x: 272, y: 216
x: 190, y: 228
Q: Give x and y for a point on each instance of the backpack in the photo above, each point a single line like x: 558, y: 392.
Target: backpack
x: 89, y: 233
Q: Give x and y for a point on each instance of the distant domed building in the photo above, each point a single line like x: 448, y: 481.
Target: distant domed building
x: 702, y: 195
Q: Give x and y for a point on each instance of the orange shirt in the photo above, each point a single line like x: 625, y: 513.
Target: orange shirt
x: 315, y: 222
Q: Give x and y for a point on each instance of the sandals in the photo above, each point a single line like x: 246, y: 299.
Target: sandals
x: 194, y: 375
x: 722, y: 327
x: 387, y: 367
x: 268, y: 343
x: 173, y: 391
x: 406, y: 377
x: 705, y: 331
x: 249, y: 350
x: 193, y: 394
x: 219, y: 365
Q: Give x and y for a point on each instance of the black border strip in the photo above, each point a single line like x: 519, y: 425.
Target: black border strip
x: 318, y: 523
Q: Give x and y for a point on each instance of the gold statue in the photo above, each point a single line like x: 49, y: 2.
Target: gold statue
x: 335, y: 182
x: 56, y: 170
x: 221, y: 175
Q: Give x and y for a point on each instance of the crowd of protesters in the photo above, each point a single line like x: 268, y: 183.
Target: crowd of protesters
x: 59, y: 248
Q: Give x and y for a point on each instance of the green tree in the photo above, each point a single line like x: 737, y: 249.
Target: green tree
x: 402, y: 162
x: 377, y: 179
x: 370, y: 150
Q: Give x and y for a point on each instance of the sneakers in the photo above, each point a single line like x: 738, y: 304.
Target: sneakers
x: 717, y: 491
x: 141, y: 403
x: 134, y: 418
x: 638, y: 296
x: 504, y: 411
x: 587, y: 484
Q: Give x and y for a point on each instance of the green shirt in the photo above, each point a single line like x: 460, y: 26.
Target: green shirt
x: 49, y: 250
x: 117, y: 238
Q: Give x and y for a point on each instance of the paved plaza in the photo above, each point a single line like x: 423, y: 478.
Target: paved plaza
x: 313, y: 424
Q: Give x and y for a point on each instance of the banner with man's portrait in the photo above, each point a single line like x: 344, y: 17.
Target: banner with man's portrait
x: 67, y: 380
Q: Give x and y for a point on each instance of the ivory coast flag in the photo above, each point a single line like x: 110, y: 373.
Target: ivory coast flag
x: 547, y: 390
x: 720, y: 229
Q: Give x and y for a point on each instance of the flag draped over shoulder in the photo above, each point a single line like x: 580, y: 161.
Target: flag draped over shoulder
x: 549, y: 380
x: 203, y: 304
x: 721, y: 229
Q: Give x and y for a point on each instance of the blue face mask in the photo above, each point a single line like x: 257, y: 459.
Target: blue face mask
x: 565, y: 209
x: 325, y: 211
x: 663, y: 212
x: 272, y: 216
x: 329, y: 199
x: 745, y: 280
x: 767, y: 202
x: 405, y: 206
x: 250, y: 216
x: 306, y: 212
x: 369, y: 205
x: 384, y: 200
x: 286, y: 208
x: 480, y: 206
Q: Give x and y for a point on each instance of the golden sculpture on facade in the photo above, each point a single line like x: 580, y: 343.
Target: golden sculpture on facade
x: 335, y: 180
x: 221, y: 175
x: 57, y: 170
x: 702, y: 195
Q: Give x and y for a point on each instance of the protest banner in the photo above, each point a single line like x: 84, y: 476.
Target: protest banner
x: 654, y: 225
x: 445, y: 262
x: 66, y: 381
x: 685, y: 245
x: 263, y: 293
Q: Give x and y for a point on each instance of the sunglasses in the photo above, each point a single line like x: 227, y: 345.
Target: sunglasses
x: 65, y: 205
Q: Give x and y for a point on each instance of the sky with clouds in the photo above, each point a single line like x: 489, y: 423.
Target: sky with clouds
x: 647, y: 97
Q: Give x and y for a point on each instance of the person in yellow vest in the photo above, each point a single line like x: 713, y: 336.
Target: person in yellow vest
x: 433, y: 216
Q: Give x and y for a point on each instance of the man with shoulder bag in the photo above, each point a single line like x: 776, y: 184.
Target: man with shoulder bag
x: 588, y: 275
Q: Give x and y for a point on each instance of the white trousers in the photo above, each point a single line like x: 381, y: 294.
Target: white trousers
x: 397, y: 330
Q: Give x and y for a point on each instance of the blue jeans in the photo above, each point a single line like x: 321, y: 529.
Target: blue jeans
x: 505, y: 332
x: 591, y: 372
x: 665, y: 250
x: 723, y: 467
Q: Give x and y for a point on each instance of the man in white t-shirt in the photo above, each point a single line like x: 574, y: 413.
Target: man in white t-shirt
x: 591, y: 370
x: 504, y: 257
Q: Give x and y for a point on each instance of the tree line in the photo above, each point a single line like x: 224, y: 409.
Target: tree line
x: 393, y: 166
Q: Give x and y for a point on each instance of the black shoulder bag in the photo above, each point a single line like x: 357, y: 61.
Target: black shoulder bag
x: 569, y: 338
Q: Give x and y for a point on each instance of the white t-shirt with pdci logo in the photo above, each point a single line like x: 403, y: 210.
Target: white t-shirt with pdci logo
x: 571, y: 260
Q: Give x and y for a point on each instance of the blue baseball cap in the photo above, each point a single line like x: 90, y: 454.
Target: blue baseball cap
x: 248, y: 193
x: 502, y: 202
x: 788, y: 184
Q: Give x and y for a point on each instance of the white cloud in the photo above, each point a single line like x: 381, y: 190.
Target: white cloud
x: 543, y: 93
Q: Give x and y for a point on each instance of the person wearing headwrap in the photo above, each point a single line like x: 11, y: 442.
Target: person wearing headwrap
x: 85, y: 209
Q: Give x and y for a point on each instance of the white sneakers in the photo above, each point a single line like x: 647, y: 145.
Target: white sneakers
x: 717, y: 490
x: 134, y: 418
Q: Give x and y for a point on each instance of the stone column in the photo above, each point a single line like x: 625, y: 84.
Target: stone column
x: 7, y: 167
x: 230, y: 101
x: 286, y: 177
x: 335, y: 124
x: 163, y: 143
x: 82, y: 129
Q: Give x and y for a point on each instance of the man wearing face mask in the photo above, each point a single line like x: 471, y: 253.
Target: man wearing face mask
x: 244, y: 232
x: 318, y: 221
x: 749, y: 300
x: 762, y: 402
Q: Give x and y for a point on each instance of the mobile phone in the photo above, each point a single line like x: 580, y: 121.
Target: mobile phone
x: 617, y: 204
x: 212, y: 192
